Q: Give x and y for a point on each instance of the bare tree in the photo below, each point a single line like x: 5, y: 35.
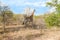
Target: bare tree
x: 6, y: 14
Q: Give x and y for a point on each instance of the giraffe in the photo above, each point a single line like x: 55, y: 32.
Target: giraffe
x: 29, y: 19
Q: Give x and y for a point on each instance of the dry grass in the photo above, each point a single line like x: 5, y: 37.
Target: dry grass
x: 31, y: 34
x: 22, y: 34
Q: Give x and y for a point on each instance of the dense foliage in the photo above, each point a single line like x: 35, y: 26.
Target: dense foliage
x: 54, y: 18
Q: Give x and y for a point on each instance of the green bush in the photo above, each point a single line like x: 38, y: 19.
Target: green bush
x: 53, y: 20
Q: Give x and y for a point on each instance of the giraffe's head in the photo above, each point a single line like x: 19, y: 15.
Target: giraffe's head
x: 33, y: 12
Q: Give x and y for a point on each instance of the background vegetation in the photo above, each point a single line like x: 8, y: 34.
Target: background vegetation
x: 52, y: 19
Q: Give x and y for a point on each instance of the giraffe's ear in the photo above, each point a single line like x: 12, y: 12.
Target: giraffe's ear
x: 34, y: 10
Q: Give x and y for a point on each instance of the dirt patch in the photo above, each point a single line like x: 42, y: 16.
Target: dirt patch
x: 33, y: 34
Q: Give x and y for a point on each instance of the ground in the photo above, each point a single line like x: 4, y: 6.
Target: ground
x: 31, y: 34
